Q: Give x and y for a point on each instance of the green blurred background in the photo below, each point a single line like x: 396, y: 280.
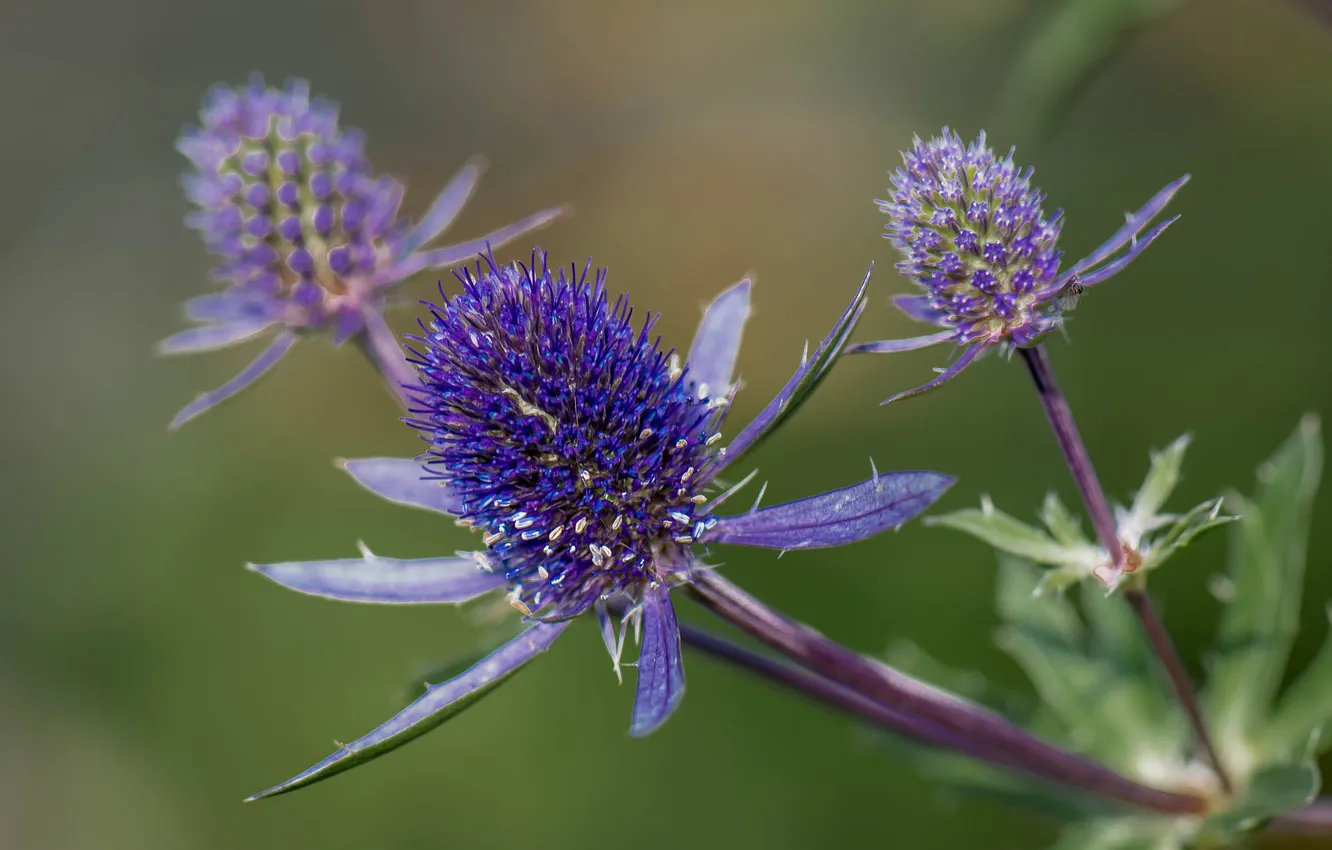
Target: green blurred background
x: 148, y: 682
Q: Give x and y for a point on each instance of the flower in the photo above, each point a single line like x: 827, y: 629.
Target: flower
x: 972, y: 232
x: 309, y: 239
x: 587, y: 459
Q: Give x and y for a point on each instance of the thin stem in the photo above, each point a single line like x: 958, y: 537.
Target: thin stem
x: 937, y: 716
x: 1084, y: 475
x: 386, y: 354
x: 819, y: 689
x: 1313, y: 819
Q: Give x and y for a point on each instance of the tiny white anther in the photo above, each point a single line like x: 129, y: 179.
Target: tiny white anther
x: 679, y: 517
x: 702, y: 390
x: 713, y: 439
x: 492, y: 538
x: 681, y: 443
x: 556, y: 533
x: 699, y: 499
x: 617, y: 522
x: 645, y: 433
x: 519, y: 604
x: 543, y: 572
x: 684, y: 539
x: 580, y: 524
x: 687, y: 474
x: 585, y: 475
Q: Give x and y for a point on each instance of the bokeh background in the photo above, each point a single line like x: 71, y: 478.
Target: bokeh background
x: 148, y: 682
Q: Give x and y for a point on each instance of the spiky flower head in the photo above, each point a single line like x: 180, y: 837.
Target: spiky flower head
x: 973, y: 233
x: 586, y: 458
x: 306, y: 235
x: 575, y: 445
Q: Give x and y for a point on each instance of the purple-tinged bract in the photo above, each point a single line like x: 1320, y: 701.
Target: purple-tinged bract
x: 574, y: 442
x: 306, y: 235
x: 972, y: 231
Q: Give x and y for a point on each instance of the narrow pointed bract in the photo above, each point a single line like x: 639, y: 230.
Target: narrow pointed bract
x: 972, y: 232
x: 405, y: 482
x: 838, y: 517
x: 661, y: 676
x: 307, y: 237
x: 439, y: 703
x: 391, y: 581
x: 717, y: 343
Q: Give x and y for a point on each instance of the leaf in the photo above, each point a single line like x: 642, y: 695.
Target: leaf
x: 1305, y: 711
x: 440, y: 703
x: 1267, y: 552
x: 1015, y: 537
x: 1200, y: 519
x: 1064, y: 527
x: 1271, y: 791
x: 1162, y: 478
x: 838, y: 517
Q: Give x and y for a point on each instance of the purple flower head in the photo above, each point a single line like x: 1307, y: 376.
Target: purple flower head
x: 972, y: 232
x: 585, y: 457
x: 574, y: 443
x: 307, y: 237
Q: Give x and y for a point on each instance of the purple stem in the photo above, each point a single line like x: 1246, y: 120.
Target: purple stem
x: 386, y: 354
x: 924, y: 712
x: 1313, y: 819
x: 1084, y: 475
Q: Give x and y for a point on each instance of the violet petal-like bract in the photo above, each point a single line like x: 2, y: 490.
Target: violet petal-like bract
x: 1113, y: 268
x: 893, y: 346
x: 234, y: 304
x: 213, y: 337
x: 717, y: 342
x: 946, y: 375
x: 919, y: 308
x: 440, y: 703
x: 661, y: 677
x: 442, y: 257
x: 404, y: 482
x: 801, y: 384
x: 388, y: 581
x: 848, y: 515
x: 445, y: 208
x: 247, y: 376
x: 1132, y: 226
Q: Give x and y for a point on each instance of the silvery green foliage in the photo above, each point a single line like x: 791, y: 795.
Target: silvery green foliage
x: 1149, y: 535
x: 1100, y: 692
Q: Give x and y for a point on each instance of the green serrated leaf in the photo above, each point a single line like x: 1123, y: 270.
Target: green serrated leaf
x: 1305, y: 711
x: 1186, y: 529
x: 1162, y: 478
x: 1011, y: 535
x: 1266, y: 567
x: 1064, y: 527
x: 1270, y: 792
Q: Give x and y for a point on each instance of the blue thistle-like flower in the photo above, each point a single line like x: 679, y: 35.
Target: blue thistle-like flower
x: 308, y: 237
x: 587, y: 459
x: 972, y: 232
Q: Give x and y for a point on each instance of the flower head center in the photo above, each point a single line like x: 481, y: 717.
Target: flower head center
x: 574, y: 444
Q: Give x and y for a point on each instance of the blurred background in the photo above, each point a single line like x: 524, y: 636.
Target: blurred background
x: 148, y: 682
